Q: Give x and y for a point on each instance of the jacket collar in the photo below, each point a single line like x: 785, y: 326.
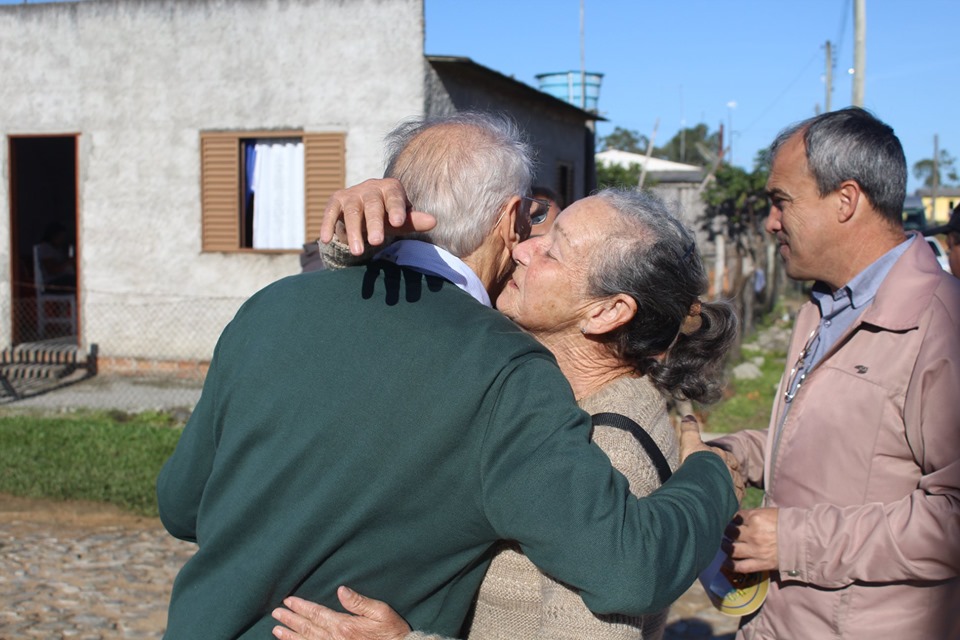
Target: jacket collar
x: 903, y: 296
x: 906, y: 292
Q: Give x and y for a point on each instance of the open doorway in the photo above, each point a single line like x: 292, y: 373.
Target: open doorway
x: 43, y: 226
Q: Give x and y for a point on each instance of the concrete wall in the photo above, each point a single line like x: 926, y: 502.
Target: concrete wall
x: 138, y: 80
x: 685, y: 201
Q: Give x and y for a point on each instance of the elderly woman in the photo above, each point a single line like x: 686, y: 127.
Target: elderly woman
x: 613, y: 290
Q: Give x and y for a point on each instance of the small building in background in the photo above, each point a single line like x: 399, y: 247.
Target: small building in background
x: 938, y: 206
x: 678, y: 184
x: 562, y: 134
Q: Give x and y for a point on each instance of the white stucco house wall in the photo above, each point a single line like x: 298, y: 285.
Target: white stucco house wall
x: 128, y: 120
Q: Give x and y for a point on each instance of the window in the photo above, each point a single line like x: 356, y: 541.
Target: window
x: 565, y: 182
x: 267, y: 190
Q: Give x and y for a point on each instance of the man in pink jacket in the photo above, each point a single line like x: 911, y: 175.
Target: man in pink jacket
x: 860, y: 526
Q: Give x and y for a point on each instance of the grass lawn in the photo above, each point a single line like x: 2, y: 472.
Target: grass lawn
x: 747, y: 403
x: 115, y: 457
x: 102, y: 457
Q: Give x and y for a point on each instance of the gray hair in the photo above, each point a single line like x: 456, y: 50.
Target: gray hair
x: 852, y: 144
x: 462, y: 169
x: 653, y: 258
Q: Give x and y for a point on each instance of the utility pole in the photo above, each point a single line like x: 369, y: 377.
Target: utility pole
x: 720, y: 143
x: 859, y: 50
x: 718, y: 226
x: 653, y: 136
x: 583, y: 63
x: 683, y: 130
x: 829, y: 77
x: 935, y: 178
x: 731, y: 105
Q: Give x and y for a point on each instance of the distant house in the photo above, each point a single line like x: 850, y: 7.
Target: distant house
x: 189, y: 146
x: 666, y: 170
x: 677, y: 183
x: 938, y: 207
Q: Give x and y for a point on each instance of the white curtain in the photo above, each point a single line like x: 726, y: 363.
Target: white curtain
x: 278, y: 211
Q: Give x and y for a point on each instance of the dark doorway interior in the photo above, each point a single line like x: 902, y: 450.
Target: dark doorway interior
x: 43, y: 216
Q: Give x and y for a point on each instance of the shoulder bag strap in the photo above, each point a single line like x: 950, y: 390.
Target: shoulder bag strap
x: 619, y: 421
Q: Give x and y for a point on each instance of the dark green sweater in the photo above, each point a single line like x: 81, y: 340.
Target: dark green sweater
x: 378, y: 428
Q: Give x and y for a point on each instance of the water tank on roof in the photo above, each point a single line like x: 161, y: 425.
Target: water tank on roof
x: 566, y: 85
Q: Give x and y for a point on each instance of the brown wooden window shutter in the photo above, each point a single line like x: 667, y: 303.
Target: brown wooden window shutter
x: 220, y: 171
x: 220, y: 191
x: 324, y: 173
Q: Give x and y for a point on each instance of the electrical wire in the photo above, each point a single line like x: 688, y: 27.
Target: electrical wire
x: 782, y: 93
x: 842, y: 31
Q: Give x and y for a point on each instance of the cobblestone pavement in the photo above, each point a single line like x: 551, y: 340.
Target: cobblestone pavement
x: 85, y: 572
x: 88, y: 572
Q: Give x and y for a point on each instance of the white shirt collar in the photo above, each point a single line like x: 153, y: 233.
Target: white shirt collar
x: 432, y: 260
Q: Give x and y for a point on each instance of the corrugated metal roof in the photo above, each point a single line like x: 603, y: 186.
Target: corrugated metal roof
x: 653, y: 165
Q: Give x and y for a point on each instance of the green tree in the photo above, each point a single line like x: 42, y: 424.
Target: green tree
x: 946, y: 171
x: 739, y: 197
x: 624, y: 140
x: 615, y: 175
x: 736, y: 209
x: 692, y: 145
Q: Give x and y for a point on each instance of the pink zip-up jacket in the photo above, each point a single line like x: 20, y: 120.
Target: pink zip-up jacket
x: 867, y: 472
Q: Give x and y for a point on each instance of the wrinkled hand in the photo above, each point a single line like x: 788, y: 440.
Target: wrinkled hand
x: 752, y: 541
x: 377, y: 207
x: 374, y: 620
x: 690, y: 442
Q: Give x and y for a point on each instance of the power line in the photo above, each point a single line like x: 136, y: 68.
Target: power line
x: 782, y: 93
x: 842, y: 31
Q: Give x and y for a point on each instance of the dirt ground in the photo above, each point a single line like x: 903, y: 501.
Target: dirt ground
x: 90, y: 571
x: 68, y: 514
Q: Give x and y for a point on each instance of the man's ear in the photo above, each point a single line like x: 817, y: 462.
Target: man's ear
x: 850, y: 197
x: 609, y: 314
x: 512, y: 233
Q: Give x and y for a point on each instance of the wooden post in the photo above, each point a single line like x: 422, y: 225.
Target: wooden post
x: 643, y: 170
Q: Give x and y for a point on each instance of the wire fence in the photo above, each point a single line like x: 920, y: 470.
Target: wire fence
x: 130, y: 353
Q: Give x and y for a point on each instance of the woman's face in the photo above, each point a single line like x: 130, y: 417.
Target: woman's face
x: 547, y: 293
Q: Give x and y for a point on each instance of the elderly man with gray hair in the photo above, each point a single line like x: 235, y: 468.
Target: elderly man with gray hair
x: 381, y: 426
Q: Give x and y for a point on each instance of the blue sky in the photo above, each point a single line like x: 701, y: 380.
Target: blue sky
x: 686, y: 61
